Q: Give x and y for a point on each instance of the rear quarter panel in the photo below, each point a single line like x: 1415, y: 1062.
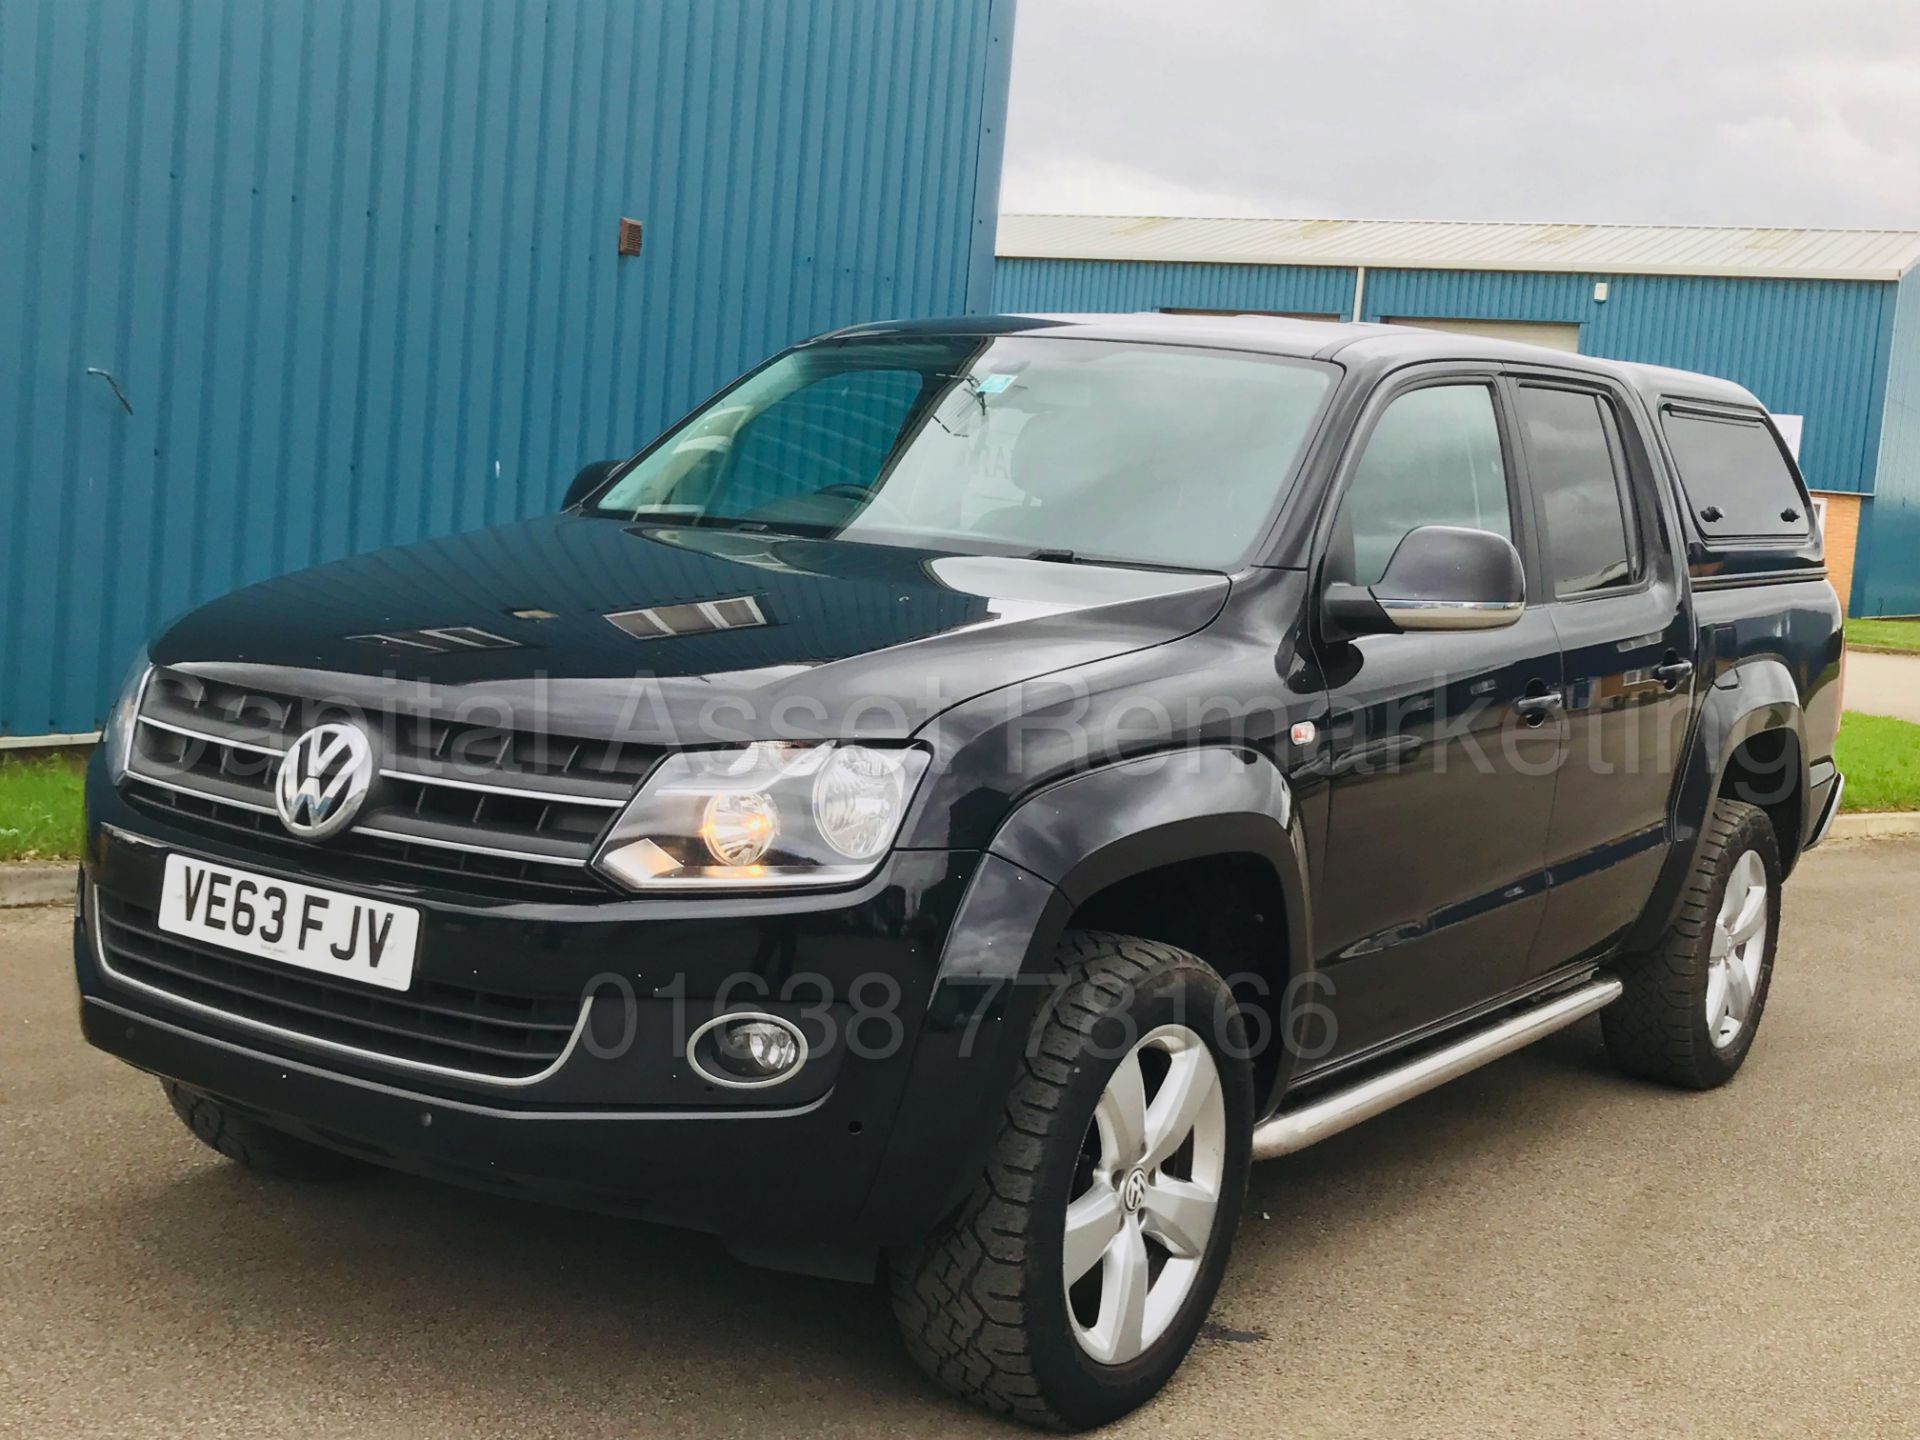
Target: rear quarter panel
x: 1795, y: 625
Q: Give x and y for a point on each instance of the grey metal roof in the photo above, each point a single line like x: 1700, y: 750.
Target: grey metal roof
x: 1354, y: 345
x: 1469, y: 245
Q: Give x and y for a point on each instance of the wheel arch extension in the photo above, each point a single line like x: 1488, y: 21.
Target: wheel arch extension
x: 1197, y: 848
x: 1748, y: 742
x: 1093, y: 832
x: 1076, y: 848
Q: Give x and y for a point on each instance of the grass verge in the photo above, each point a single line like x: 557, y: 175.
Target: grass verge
x: 40, y: 807
x: 40, y: 797
x: 1899, y: 636
x: 1881, y: 759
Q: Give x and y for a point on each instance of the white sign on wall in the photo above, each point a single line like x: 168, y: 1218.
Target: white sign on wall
x: 1789, y: 426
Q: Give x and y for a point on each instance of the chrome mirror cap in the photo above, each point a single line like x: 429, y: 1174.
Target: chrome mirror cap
x: 1451, y: 614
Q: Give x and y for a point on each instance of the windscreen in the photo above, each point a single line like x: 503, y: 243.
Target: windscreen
x: 1149, y: 454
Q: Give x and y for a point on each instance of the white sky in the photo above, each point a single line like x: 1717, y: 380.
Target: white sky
x: 1709, y: 112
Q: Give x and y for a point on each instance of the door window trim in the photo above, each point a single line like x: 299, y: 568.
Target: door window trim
x: 1629, y: 480
x: 1404, y: 382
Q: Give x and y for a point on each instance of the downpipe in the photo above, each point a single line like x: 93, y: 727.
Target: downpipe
x: 1294, y: 1130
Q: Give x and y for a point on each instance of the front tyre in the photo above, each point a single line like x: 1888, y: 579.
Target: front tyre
x: 1694, y: 1001
x: 1072, y: 1281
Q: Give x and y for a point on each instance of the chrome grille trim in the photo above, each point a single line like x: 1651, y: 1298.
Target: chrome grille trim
x: 435, y: 843
x: 423, y: 1067
x: 209, y: 737
x: 523, y: 792
x: 142, y: 778
x: 543, y: 804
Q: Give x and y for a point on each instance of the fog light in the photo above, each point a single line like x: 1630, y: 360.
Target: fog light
x: 757, y: 1048
x: 747, y: 1051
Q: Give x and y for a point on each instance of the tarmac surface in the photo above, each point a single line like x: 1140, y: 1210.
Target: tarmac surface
x: 1540, y: 1249
x: 1882, y: 684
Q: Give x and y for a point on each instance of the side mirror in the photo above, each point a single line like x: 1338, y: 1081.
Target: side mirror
x: 1441, y: 577
x: 589, y: 479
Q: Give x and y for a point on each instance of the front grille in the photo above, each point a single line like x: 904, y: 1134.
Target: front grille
x: 481, y: 808
x: 476, y: 1032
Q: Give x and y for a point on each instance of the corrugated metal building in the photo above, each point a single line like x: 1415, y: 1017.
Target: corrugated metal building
x: 353, y: 266
x: 1822, y: 325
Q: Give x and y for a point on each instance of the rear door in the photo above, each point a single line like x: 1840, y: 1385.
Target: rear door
x: 1613, y: 587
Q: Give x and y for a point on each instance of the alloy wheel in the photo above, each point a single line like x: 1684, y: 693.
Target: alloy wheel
x: 1146, y: 1195
x: 1739, y: 946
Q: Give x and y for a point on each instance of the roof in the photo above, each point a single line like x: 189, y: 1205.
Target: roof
x: 1373, y: 348
x: 1469, y: 245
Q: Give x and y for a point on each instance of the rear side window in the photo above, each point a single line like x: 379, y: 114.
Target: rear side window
x: 1736, y: 476
x: 1578, y: 469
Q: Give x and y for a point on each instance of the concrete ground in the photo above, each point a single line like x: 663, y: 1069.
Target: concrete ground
x: 1541, y: 1249
x: 1882, y: 684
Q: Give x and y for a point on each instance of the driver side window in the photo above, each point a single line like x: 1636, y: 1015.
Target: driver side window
x: 1434, y: 458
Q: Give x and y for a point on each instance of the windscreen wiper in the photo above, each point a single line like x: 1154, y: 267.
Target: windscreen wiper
x: 799, y: 529
x: 1074, y: 557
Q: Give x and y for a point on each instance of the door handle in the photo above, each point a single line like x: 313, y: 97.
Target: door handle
x: 1534, y: 709
x: 1673, y: 672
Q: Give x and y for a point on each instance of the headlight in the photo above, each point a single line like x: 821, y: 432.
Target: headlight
x: 116, y: 738
x: 766, y: 815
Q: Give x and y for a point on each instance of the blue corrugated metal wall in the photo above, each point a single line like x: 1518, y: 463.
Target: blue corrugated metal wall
x: 352, y: 262
x: 1815, y: 348
x: 1890, y: 526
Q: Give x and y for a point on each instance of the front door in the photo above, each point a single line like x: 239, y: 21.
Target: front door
x: 1443, y: 745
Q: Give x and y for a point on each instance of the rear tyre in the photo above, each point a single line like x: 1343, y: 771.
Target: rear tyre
x: 1693, y: 1002
x: 256, y: 1146
x: 1073, y: 1279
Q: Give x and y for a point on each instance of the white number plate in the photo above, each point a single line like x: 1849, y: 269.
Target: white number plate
x: 321, y: 930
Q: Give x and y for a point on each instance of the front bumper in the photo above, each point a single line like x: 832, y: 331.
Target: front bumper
x: 622, y: 1127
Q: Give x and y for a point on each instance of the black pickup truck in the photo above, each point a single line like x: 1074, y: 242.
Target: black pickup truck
x: 972, y: 788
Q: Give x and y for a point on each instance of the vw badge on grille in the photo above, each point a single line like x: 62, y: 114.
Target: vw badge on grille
x: 324, y: 778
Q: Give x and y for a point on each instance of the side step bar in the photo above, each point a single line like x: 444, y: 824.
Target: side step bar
x: 1293, y: 1130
